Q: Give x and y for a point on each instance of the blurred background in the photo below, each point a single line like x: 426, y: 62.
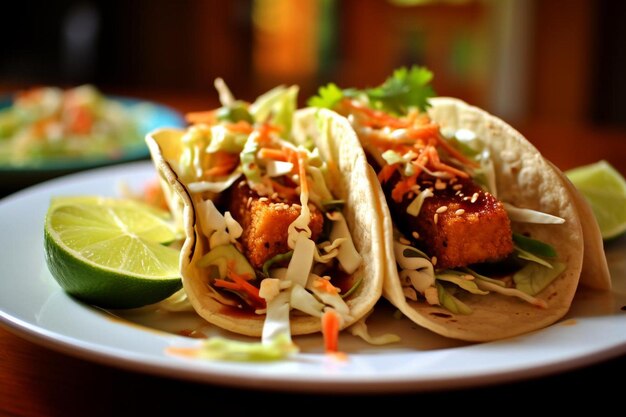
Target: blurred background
x: 535, y: 63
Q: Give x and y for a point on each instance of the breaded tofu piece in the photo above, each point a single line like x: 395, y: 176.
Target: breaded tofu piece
x: 265, y: 222
x: 460, y: 225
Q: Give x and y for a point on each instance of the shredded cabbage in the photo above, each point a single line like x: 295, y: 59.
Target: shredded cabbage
x: 415, y: 206
x: 301, y: 260
x: 525, y: 215
x: 219, y: 348
x: 277, y: 318
x: 348, y: 257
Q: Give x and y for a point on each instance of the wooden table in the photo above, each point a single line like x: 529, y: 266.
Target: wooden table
x: 36, y: 381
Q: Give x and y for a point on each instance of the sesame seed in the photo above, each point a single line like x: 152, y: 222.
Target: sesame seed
x: 474, y: 197
x: 404, y: 241
x: 459, y: 212
x: 465, y: 198
x: 263, y: 199
x: 436, y: 218
x: 440, y: 185
x: 442, y: 209
x: 434, y: 260
x: 457, y: 186
x: 249, y: 202
x: 274, y: 196
x: 458, y: 192
x: 415, y: 235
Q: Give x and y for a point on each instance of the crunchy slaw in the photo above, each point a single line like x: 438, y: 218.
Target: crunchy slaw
x: 51, y: 123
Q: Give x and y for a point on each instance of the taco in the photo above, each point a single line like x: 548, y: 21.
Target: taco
x: 282, y: 234
x: 484, y: 236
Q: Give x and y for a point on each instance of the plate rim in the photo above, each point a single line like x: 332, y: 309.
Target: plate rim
x: 223, y: 375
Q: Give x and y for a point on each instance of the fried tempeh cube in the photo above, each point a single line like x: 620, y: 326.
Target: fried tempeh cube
x: 265, y: 222
x: 460, y: 225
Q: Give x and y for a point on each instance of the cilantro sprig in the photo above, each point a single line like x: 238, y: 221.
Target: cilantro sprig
x: 406, y: 88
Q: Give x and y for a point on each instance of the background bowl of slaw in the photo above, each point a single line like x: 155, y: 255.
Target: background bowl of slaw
x: 19, y: 169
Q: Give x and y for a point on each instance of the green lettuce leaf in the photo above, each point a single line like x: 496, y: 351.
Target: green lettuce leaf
x: 534, y: 246
x: 450, y: 302
x: 533, y: 278
x: 457, y: 279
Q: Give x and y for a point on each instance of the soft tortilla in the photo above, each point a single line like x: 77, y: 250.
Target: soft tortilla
x: 339, y: 146
x: 524, y: 179
x: 595, y: 271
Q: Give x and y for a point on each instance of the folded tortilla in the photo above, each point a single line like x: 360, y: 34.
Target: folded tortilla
x: 352, y: 180
x: 525, y: 179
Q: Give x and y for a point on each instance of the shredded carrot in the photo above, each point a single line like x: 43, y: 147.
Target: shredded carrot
x: 39, y: 128
x: 377, y: 118
x: 421, y: 137
x: 292, y: 156
x: 153, y: 194
x: 226, y: 284
x: 230, y: 268
x: 282, y: 190
x: 271, y: 153
x: 436, y: 162
x: 304, y: 184
x: 265, y: 130
x: 403, y: 187
x: 454, y: 152
x: 385, y: 142
x: 188, y: 352
x: 423, y: 131
x: 330, y: 330
x: 386, y: 173
x: 222, y: 163
x: 82, y: 121
x: 325, y: 285
x: 34, y: 94
x: 239, y: 282
x: 241, y: 126
x: 427, y: 154
x: 208, y: 117
x: 218, y: 171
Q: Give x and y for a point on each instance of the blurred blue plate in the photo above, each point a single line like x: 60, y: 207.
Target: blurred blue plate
x: 153, y: 115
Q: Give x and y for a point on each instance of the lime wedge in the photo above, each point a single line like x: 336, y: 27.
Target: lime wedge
x: 106, y: 201
x: 111, y: 253
x: 605, y: 190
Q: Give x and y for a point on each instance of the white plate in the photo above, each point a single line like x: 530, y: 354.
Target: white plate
x: 33, y: 306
